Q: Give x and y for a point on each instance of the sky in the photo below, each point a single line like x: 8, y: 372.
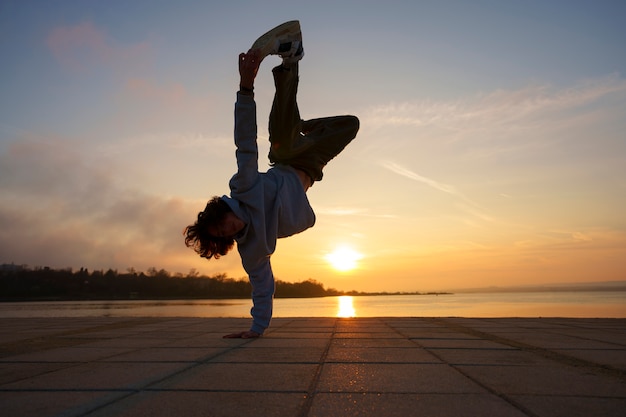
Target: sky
x: 492, y: 148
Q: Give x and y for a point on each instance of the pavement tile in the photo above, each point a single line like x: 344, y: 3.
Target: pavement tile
x: 353, y: 327
x: 380, y: 355
x: 16, y: 371
x: 369, y: 335
x: 410, y: 322
x: 356, y: 327
x: 305, y: 322
x: 207, y: 340
x: 490, y: 357
x: 298, y: 331
x: 68, y: 354
x: 572, y: 406
x: 372, y: 342
x: 616, y: 337
x: 99, y: 375
x: 460, y: 344
x: 167, y: 354
x: 313, y: 367
x: 435, y: 334
x: 280, y: 334
x: 614, y: 358
x: 299, y: 327
x: 127, y: 343
x: 555, y: 341
x: 394, y: 378
x: 269, y: 342
x: 244, y: 377
x: 54, y: 403
x: 203, y: 404
x: 403, y: 405
x: 546, y: 380
x: 271, y: 355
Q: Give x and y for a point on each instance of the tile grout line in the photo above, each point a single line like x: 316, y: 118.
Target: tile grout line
x: 546, y: 353
x: 64, y: 339
x: 310, y: 395
x: 490, y: 390
x: 148, y: 387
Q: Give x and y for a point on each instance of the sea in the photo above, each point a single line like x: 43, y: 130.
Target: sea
x: 574, y: 304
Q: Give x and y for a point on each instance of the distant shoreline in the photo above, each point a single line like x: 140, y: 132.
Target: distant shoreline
x: 19, y: 283
x: 138, y: 298
x: 490, y: 290
x: 617, y: 286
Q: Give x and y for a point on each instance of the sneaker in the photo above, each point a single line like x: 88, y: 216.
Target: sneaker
x: 296, y: 53
x: 284, y: 40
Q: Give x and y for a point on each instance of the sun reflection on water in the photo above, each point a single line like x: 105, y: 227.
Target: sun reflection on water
x: 346, y: 308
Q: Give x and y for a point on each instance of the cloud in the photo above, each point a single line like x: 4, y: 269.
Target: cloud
x: 499, y: 125
x: 402, y: 171
x: 552, y: 241
x: 523, y: 107
x: 466, y: 204
x: 512, y: 139
x: 84, y: 46
x: 62, y: 207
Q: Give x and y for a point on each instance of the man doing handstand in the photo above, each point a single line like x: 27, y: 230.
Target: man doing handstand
x: 263, y: 207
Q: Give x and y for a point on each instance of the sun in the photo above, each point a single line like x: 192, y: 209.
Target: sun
x: 344, y: 258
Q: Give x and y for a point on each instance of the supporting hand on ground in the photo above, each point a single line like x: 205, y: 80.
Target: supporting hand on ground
x: 249, y: 334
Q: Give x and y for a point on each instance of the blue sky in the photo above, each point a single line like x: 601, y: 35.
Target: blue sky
x: 492, y: 147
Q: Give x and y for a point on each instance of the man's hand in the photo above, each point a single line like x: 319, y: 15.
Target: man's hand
x: 248, y: 67
x: 249, y: 334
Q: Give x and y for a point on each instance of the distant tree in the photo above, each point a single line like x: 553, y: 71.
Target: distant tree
x: 47, y: 283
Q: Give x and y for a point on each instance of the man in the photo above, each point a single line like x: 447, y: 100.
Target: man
x: 263, y: 207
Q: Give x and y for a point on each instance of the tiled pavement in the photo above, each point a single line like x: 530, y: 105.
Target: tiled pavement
x: 313, y: 367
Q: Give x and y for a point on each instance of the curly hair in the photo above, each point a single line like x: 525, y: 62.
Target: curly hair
x: 197, y: 235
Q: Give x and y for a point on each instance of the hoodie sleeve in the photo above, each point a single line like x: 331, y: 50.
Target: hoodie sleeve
x: 246, y: 141
x: 263, y: 287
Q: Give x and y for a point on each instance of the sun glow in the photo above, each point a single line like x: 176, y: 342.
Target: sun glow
x: 344, y: 258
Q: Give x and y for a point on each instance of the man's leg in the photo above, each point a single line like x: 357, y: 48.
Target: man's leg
x: 284, y: 122
x: 306, y: 145
x: 329, y: 135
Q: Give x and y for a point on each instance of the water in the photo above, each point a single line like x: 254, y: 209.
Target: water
x: 530, y: 304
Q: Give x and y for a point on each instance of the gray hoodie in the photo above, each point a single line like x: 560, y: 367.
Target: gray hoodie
x: 272, y: 205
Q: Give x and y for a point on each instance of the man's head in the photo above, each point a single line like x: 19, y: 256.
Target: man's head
x: 212, y: 220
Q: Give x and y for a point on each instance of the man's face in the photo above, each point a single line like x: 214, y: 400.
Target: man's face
x: 228, y: 227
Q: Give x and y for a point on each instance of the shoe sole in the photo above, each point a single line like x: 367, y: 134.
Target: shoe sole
x: 266, y: 43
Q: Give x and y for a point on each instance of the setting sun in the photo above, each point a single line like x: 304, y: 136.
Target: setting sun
x: 344, y: 258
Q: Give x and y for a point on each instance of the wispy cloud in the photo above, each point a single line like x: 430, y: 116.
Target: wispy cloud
x: 466, y: 204
x: 496, y: 126
x: 400, y: 170
x: 509, y: 136
x: 499, y: 108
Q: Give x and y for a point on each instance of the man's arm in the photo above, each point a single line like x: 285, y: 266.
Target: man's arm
x: 246, y: 127
x: 263, y: 286
x: 247, y: 162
